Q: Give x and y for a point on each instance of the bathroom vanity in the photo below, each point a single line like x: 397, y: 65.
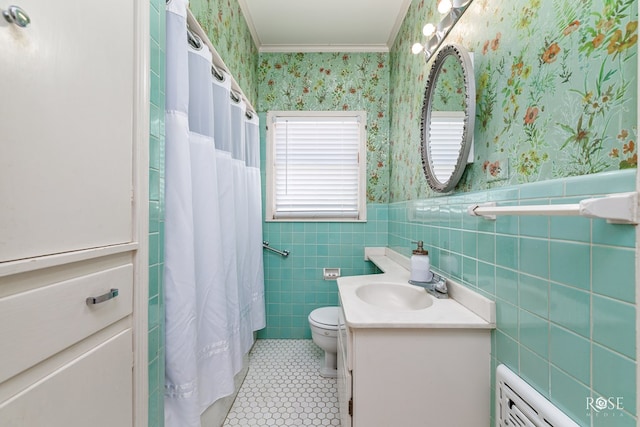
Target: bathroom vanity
x: 407, y: 364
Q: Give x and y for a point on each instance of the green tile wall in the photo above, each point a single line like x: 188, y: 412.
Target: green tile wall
x: 156, y: 213
x: 294, y: 285
x: 564, y: 287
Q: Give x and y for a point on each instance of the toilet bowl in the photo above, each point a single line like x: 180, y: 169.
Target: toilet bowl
x: 324, y: 332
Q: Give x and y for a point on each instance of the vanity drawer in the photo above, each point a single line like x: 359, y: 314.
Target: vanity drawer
x: 41, y: 322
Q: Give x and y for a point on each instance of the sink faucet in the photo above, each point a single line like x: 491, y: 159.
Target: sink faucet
x: 436, y: 287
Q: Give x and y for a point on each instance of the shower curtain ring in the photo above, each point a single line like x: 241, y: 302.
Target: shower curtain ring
x: 217, y: 74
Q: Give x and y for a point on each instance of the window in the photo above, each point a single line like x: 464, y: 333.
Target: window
x: 445, y: 136
x: 316, y: 166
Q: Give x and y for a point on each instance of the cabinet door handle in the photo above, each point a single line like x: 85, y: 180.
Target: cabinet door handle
x: 16, y: 15
x: 102, y: 298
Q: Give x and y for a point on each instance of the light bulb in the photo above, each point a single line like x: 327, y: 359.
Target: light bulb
x: 444, y: 6
x: 417, y: 48
x: 429, y: 29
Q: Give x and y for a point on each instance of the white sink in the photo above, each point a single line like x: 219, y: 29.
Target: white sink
x: 394, y: 296
x: 387, y: 300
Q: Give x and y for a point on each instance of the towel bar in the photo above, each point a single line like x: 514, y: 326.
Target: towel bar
x: 284, y: 253
x: 619, y: 208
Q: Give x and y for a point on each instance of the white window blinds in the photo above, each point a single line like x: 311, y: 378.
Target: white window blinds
x: 445, y: 136
x: 316, y: 166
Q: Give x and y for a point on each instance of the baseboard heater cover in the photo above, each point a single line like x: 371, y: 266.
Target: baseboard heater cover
x: 520, y: 405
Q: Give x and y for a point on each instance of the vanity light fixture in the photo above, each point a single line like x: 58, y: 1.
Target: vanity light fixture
x: 417, y: 48
x: 460, y: 5
x: 444, y: 6
x: 453, y: 10
x: 429, y: 30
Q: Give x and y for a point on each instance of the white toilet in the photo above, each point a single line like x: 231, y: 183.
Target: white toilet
x: 324, y: 332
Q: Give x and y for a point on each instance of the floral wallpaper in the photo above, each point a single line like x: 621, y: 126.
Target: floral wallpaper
x: 335, y: 81
x: 556, y: 85
x: 449, y: 87
x: 227, y: 29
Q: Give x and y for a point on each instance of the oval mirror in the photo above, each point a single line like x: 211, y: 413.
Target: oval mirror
x: 448, y: 113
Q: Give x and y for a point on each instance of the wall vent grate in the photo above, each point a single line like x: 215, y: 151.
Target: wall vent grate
x: 519, y: 405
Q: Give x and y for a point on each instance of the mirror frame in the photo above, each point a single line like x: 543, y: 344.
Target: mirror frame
x: 463, y: 57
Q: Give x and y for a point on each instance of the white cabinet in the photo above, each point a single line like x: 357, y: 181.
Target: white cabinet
x: 413, y: 377
x: 72, y: 191
x: 66, y: 111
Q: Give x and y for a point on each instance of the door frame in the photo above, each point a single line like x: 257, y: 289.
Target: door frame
x: 140, y: 212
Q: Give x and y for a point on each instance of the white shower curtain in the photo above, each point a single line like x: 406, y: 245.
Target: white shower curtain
x: 214, y: 300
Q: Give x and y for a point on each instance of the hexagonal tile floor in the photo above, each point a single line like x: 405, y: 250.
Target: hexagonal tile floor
x: 283, y: 388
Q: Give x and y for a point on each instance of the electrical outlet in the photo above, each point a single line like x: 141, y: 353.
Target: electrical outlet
x: 496, y: 170
x: 330, y: 273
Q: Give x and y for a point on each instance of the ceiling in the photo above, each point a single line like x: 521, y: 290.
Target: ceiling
x: 324, y: 25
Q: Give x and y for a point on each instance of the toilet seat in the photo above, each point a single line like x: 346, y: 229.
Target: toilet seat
x: 325, y: 318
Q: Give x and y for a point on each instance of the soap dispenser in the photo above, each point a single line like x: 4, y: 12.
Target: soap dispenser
x: 420, y: 265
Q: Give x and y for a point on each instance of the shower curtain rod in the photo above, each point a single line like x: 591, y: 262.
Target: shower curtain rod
x: 218, y: 63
